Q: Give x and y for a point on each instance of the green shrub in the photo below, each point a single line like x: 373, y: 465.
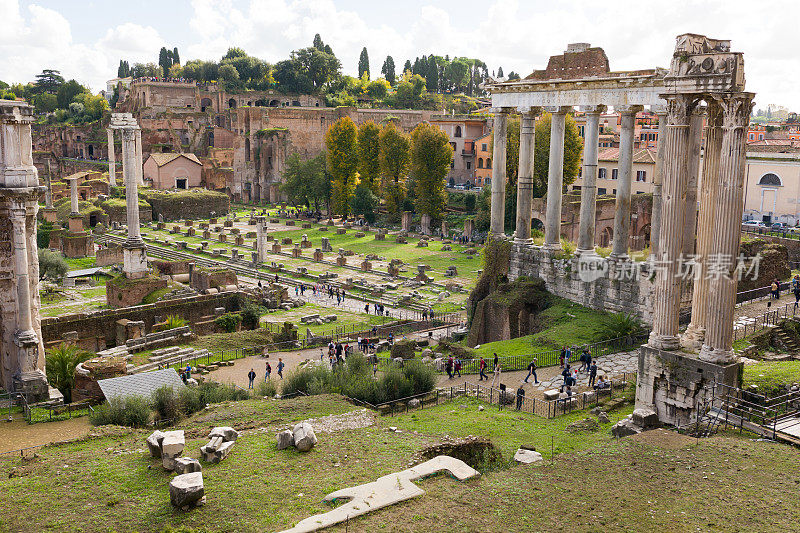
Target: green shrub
x: 43, y: 234
x: 469, y: 203
x: 251, y: 314
x: 134, y: 411
x: 60, y: 363
x: 266, y: 389
x: 51, y: 264
x: 165, y: 404
x: 190, y: 400
x: 620, y: 325
x: 229, y: 322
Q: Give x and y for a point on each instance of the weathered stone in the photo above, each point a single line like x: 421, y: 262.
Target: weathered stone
x: 171, y: 448
x: 525, y: 456
x: 284, y: 439
x: 154, y: 443
x: 186, y: 490
x: 304, y: 437
x: 602, y: 417
x: 414, y: 403
x: 227, y: 433
x: 550, y: 395
x: 645, y: 418
x: 625, y: 428
x: 187, y: 465
x: 587, y: 424
x: 217, y: 454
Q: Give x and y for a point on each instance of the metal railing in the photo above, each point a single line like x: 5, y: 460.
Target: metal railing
x: 767, y: 319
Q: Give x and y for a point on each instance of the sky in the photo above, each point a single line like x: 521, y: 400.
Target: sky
x: 86, y: 39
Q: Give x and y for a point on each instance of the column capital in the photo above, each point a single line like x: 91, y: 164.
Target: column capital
x: 558, y: 110
x: 502, y: 110
x: 659, y: 110
x: 530, y: 110
x: 679, y: 109
x: 593, y: 109
x: 628, y: 109
x: 736, y: 109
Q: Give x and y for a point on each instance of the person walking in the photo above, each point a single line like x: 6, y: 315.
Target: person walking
x: 520, y: 397
x: 588, y: 360
x: 567, y: 375
x: 496, y: 376
x: 268, y: 371
x: 532, y: 371
x: 251, y: 376
x: 496, y: 361
x: 281, y: 366
x: 457, y: 367
x: 592, y: 374
x: 449, y: 367
x: 583, y: 362
x: 796, y: 289
x: 562, y: 356
x: 482, y: 368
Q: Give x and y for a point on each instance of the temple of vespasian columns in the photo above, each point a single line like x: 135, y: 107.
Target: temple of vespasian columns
x: 705, y: 77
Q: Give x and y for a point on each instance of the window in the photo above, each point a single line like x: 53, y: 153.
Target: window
x: 576, y: 187
x: 614, y: 192
x: 752, y: 136
x: 770, y: 180
x: 601, y: 191
x: 760, y: 136
x: 458, y: 132
x: 180, y: 183
x: 469, y: 165
x: 480, y: 162
x: 601, y: 174
x: 484, y: 147
x: 488, y: 163
x: 641, y: 175
x: 614, y: 173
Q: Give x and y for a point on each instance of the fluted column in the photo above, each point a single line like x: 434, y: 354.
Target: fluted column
x: 591, y: 134
x: 736, y: 109
x: 622, y: 212
x: 497, y: 224
x: 667, y: 290
x: 48, y: 193
x: 555, y: 179
x: 139, y: 170
x: 655, y: 217
x: 112, y: 158
x: 26, y: 335
x: 525, y: 176
x: 693, y: 178
x: 73, y: 197
x: 695, y: 333
x: 131, y: 184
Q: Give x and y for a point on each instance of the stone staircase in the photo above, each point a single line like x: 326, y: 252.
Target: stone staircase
x: 167, y: 357
x: 786, y: 340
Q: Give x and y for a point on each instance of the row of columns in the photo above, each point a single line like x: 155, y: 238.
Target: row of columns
x: 555, y: 178
x: 112, y: 158
x: 718, y: 228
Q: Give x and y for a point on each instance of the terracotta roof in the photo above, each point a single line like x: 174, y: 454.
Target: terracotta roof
x: 163, y: 159
x: 81, y: 174
x: 643, y: 155
x: 788, y: 147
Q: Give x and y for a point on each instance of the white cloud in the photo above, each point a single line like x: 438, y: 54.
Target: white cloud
x: 516, y: 35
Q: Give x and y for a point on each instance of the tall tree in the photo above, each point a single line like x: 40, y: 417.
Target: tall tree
x: 395, y: 162
x: 369, y: 167
x: 67, y: 92
x: 164, y: 61
x: 341, y: 141
x: 431, y: 154
x: 407, y: 66
x: 499, y: 72
x: 318, y: 44
x: 573, y: 147
x: 48, y: 82
x: 363, y: 63
x: 388, y: 70
x: 176, y: 59
x: 305, y: 182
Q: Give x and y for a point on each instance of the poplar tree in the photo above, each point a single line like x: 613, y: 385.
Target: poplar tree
x: 341, y: 141
x: 431, y: 154
x: 369, y: 156
x: 395, y: 161
x: 363, y: 63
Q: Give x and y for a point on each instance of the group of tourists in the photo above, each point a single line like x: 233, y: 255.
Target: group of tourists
x: 251, y: 376
x: 379, y: 309
x: 427, y: 313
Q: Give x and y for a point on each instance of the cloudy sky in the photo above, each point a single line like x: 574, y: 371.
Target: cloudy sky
x: 85, y: 39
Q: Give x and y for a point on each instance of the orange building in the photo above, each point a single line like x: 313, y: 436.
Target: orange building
x: 483, y: 160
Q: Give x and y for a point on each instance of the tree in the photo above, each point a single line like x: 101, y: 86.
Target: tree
x: 67, y: 92
x: 318, y: 44
x: 164, y: 61
x: 395, y: 162
x: 290, y: 78
x: 228, y: 73
x: 124, y: 69
x: 364, y: 202
x: 407, y: 67
x: 305, y: 182
x: 431, y: 154
x: 319, y: 67
x: 44, y: 102
x: 513, y: 76
x: 60, y: 365
x: 369, y: 166
x: 388, y: 70
x: 51, y: 264
x: 573, y: 146
x: 499, y: 72
x: 363, y: 63
x: 176, y: 59
x: 341, y: 140
x: 378, y: 88
x: 48, y: 81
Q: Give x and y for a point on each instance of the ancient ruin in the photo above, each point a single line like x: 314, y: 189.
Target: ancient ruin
x: 704, y: 77
x: 22, y: 356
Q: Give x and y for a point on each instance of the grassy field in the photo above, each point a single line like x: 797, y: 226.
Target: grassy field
x: 770, y: 376
x: 659, y: 481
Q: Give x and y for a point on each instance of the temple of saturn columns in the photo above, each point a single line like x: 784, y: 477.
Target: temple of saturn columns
x: 22, y: 351
x: 134, y: 264
x: 705, y: 82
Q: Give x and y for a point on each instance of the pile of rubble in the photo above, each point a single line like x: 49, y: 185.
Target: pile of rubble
x: 301, y: 437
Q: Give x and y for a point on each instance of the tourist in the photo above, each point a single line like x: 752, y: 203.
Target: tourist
x: 268, y: 371
x: 532, y: 371
x: 321, y: 354
x: 588, y: 359
x: 449, y: 367
x: 562, y: 356
x: 496, y: 377
x: 188, y: 370
x: 251, y: 376
x: 567, y: 375
x: 796, y: 289
x: 366, y: 308
x: 568, y: 354
x: 520, y: 397
x: 457, y: 367
x: 592, y: 374
x: 496, y: 361
x: 601, y: 384
x: 482, y: 368
x: 425, y: 315
x: 583, y: 361
x: 375, y: 367
x: 280, y: 367
x: 776, y: 289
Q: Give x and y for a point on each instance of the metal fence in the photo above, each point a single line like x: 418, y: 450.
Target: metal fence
x: 768, y: 319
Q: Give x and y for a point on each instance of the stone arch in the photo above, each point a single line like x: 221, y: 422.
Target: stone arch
x: 536, y: 223
x: 458, y: 132
x: 205, y: 104
x: 262, y: 103
x: 232, y: 103
x: 295, y: 103
x: 274, y: 103
x: 770, y: 179
x: 606, y: 237
x: 480, y: 162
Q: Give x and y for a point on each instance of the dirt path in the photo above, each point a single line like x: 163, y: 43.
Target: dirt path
x: 19, y: 434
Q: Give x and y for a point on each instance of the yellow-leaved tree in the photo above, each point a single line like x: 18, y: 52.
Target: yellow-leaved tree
x: 342, y: 144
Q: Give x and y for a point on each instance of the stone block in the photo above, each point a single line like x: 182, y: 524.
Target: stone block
x: 222, y: 237
x: 284, y: 439
x: 625, y: 428
x: 341, y: 260
x: 380, y: 236
x: 217, y: 454
x: 306, y: 225
x: 645, y: 418
x: 154, y: 443
x: 290, y: 222
x: 366, y: 266
x: 304, y: 437
x: 318, y: 255
x: 276, y: 248
x: 187, y: 465
x: 550, y: 395
x: 226, y: 432
x: 186, y: 490
x: 525, y: 456
x: 340, y: 231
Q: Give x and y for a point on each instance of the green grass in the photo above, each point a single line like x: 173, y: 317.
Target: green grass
x: 771, y: 376
x: 81, y: 263
x: 39, y: 414
x: 565, y: 324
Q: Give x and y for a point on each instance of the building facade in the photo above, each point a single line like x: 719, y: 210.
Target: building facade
x: 463, y: 132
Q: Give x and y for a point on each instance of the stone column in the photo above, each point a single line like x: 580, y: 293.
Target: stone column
x: 261, y: 239
x: 112, y: 158
x: 622, y: 213
x: 727, y: 227
x: 555, y: 179
x: 497, y: 224
x: 73, y: 197
x: 591, y: 134
x: 655, y: 217
x: 25, y: 334
x: 667, y: 289
x: 525, y: 179
x: 693, y: 178
x: 134, y: 255
x: 48, y: 193
x: 695, y: 333
x: 139, y: 163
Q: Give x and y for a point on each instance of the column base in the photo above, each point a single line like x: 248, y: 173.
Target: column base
x: 523, y: 242
x: 716, y: 356
x: 553, y: 247
x: 619, y: 257
x: 134, y: 261
x: 585, y: 251
x: 663, y: 342
x: 676, y: 386
x: 33, y: 385
x: 693, y: 338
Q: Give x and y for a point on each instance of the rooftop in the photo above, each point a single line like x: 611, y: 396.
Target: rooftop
x: 163, y: 159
